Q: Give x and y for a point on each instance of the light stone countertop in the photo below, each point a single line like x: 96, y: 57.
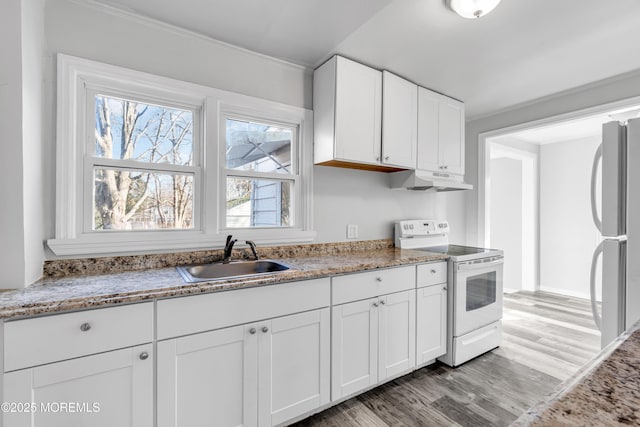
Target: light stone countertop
x: 605, y: 392
x: 76, y: 292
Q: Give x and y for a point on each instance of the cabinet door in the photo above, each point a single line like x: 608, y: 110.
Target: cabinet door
x: 354, y: 350
x: 397, y: 331
x: 358, y: 113
x: 103, y: 390
x: 294, y: 359
x: 428, y: 130
x: 431, y: 323
x: 399, y: 121
x: 209, y: 379
x: 451, y: 121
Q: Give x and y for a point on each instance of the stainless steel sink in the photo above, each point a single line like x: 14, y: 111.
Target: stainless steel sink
x: 231, y: 270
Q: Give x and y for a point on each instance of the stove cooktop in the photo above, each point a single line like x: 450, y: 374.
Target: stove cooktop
x: 457, y: 250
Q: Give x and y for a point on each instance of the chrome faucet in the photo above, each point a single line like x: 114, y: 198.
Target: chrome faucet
x: 254, y: 250
x: 228, y: 247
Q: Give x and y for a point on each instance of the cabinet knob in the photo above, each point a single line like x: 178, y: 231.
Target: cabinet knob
x: 378, y: 279
x: 386, y: 157
x: 445, y: 167
x: 144, y: 355
x: 85, y: 327
x: 377, y: 159
x: 382, y: 302
x: 444, y: 288
x: 375, y: 304
x: 265, y: 329
x: 433, y: 271
x: 252, y: 331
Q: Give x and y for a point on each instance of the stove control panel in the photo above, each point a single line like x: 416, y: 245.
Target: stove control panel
x: 420, y: 227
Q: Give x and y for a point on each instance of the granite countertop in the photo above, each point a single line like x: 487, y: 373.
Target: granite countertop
x: 606, y: 392
x: 83, y: 291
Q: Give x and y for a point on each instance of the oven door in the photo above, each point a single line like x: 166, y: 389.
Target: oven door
x: 477, y: 294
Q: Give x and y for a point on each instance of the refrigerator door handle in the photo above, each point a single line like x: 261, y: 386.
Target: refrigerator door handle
x: 594, y: 262
x: 594, y: 173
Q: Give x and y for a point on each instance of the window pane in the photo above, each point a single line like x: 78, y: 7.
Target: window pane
x: 258, y: 203
x: 258, y: 147
x: 127, y: 129
x: 142, y: 200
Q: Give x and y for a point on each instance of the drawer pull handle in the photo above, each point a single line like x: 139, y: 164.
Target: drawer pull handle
x: 375, y: 304
x: 265, y: 329
x: 144, y: 355
x: 378, y: 279
x: 252, y: 331
x: 382, y: 302
x: 85, y: 327
x: 433, y: 271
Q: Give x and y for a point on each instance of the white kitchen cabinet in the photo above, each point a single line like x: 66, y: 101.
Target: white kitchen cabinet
x: 399, y: 121
x: 440, y: 133
x: 258, y: 374
x: 372, y: 340
x: 431, y: 328
x: 104, y: 390
x: 347, y: 105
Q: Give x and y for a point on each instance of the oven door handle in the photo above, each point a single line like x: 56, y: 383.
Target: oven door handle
x: 470, y: 266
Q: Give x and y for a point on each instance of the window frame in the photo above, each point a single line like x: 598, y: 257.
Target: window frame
x: 75, y: 75
x: 293, y: 176
x: 92, y: 161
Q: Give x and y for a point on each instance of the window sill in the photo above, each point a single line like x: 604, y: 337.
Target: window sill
x: 179, y: 241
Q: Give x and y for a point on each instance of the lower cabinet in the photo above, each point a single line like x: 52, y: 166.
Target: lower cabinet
x: 431, y: 337
x: 104, y: 390
x: 372, y: 340
x: 258, y: 374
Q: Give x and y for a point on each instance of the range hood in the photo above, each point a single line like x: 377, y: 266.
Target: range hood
x: 427, y: 181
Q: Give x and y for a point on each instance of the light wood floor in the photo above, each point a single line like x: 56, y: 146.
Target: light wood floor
x: 546, y: 339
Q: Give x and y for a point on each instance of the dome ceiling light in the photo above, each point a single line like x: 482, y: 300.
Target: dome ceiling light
x: 472, y: 8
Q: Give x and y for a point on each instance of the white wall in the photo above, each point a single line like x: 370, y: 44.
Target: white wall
x: 345, y: 196
x: 506, y: 221
x: 567, y: 234
x: 21, y: 104
x: 610, y: 90
x: 104, y: 34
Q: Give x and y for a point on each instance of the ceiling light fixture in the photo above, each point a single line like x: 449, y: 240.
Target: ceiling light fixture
x: 472, y: 8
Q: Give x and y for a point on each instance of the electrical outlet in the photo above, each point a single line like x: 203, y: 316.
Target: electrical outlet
x: 352, y: 231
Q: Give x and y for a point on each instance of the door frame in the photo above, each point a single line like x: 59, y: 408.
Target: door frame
x: 484, y: 155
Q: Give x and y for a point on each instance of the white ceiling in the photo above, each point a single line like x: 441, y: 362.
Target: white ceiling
x: 523, y: 50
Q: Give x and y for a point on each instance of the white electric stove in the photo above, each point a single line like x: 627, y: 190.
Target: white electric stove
x: 475, y: 276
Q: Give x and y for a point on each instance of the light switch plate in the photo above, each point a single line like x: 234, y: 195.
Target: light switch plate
x: 352, y: 231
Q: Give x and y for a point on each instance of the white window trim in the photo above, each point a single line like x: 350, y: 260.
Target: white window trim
x: 72, y: 239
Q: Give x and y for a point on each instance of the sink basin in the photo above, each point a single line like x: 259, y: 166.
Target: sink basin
x: 231, y: 270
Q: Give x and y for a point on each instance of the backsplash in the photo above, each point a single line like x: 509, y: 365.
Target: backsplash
x: 117, y: 264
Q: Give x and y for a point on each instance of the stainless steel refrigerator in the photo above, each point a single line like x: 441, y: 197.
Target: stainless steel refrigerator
x: 619, y: 225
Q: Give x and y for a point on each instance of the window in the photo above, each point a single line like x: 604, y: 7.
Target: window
x: 150, y: 163
x: 261, y: 172
x: 142, y: 163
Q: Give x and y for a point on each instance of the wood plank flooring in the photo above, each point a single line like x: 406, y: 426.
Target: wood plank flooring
x: 546, y: 338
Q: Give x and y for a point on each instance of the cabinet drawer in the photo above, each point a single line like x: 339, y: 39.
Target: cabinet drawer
x: 47, y: 339
x: 199, y: 313
x: 359, y: 286
x: 432, y: 274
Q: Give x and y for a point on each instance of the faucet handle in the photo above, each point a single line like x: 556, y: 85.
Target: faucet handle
x: 254, y: 250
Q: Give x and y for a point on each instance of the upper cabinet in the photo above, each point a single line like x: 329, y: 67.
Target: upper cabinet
x: 347, y: 107
x: 376, y: 120
x: 399, y: 121
x: 440, y: 133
